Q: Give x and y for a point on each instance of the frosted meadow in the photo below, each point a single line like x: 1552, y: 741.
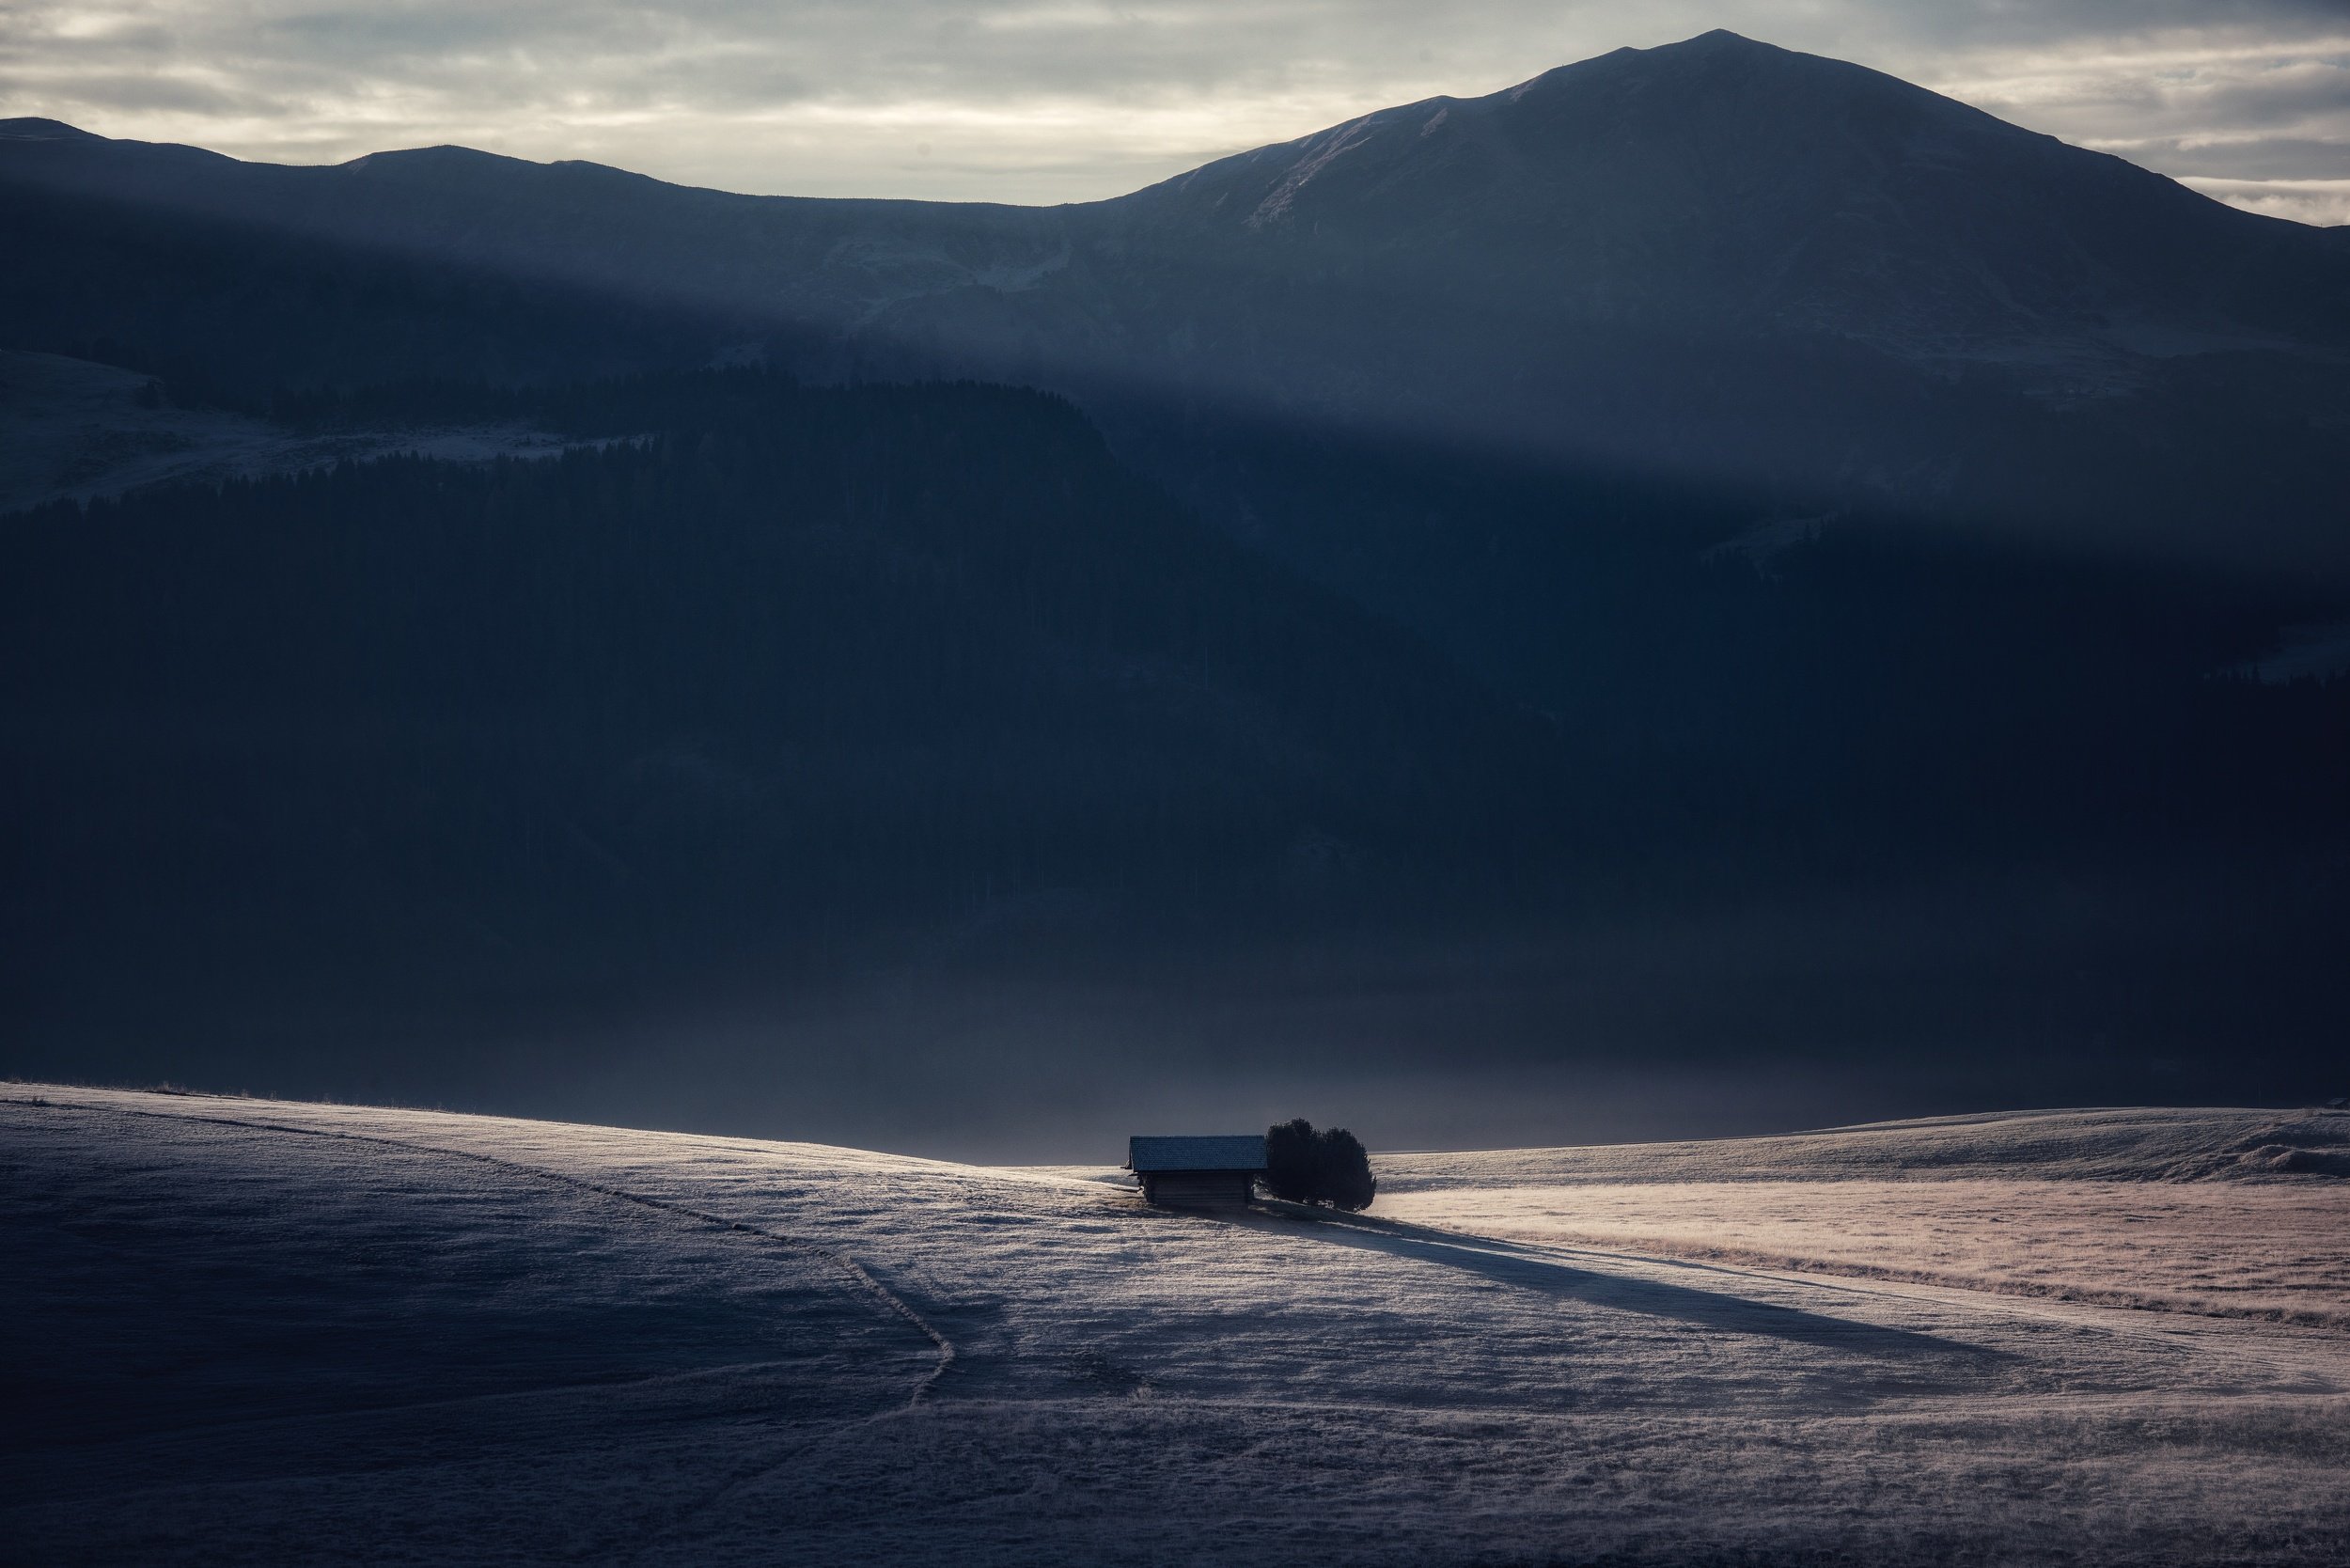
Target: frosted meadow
x: 259, y: 1325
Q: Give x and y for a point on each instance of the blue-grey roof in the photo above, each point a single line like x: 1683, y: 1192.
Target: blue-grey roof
x: 1243, y: 1153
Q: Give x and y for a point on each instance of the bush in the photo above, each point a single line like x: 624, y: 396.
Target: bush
x: 1289, y: 1160
x: 1342, y: 1170
x: 1328, y: 1168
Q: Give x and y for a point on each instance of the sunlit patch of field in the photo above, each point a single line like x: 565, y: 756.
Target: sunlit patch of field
x: 2275, y: 1252
x: 2233, y: 1213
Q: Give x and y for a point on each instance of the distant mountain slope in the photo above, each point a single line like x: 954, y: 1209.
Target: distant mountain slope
x: 1725, y: 186
x: 1749, y: 264
x: 573, y: 242
x: 1717, y: 185
x: 227, y: 310
x: 768, y: 672
x: 72, y: 429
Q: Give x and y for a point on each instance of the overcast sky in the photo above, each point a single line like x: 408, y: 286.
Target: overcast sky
x: 1068, y: 99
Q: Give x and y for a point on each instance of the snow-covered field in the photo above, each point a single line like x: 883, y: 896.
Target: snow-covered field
x: 248, y: 1331
x: 2200, y: 1212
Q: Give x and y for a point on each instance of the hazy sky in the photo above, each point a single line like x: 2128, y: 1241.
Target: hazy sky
x: 1066, y: 100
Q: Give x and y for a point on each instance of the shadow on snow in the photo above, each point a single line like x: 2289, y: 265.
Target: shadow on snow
x: 1529, y: 1268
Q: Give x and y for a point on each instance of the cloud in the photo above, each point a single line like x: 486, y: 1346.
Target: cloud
x: 1063, y: 99
x: 2318, y: 201
x: 2185, y: 103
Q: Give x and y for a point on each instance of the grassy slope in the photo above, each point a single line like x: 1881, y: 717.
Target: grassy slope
x: 2113, y: 1144
x: 262, y: 1331
x: 2234, y: 1212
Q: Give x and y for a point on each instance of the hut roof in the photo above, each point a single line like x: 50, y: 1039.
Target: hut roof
x: 1244, y: 1152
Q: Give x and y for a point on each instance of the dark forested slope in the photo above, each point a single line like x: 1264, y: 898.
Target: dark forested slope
x: 769, y: 667
x: 758, y: 680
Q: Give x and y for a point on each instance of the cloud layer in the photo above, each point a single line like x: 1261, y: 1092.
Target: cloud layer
x: 1068, y: 99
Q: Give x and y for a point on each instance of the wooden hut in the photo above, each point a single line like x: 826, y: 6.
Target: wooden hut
x: 1194, y: 1171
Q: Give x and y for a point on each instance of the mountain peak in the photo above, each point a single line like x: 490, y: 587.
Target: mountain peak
x: 1716, y: 51
x: 1718, y: 123
x: 33, y: 129
x: 1718, y: 38
x: 447, y: 156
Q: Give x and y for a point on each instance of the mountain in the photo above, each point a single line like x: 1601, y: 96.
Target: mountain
x: 1698, y: 484
x: 1736, y: 261
x: 1723, y: 186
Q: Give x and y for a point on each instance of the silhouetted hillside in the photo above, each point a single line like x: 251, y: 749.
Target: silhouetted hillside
x: 773, y: 665
x: 225, y: 316
x: 1717, y: 258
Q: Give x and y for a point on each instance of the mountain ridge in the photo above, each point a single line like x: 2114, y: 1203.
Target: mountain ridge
x: 1716, y: 44
x: 1719, y: 182
x: 1759, y: 268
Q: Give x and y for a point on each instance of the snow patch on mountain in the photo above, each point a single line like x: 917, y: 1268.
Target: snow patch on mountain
x: 1321, y: 151
x: 71, y: 429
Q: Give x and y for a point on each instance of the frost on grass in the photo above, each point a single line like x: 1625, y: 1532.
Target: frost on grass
x: 2269, y: 1252
x: 247, y: 1331
x: 2153, y: 1144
